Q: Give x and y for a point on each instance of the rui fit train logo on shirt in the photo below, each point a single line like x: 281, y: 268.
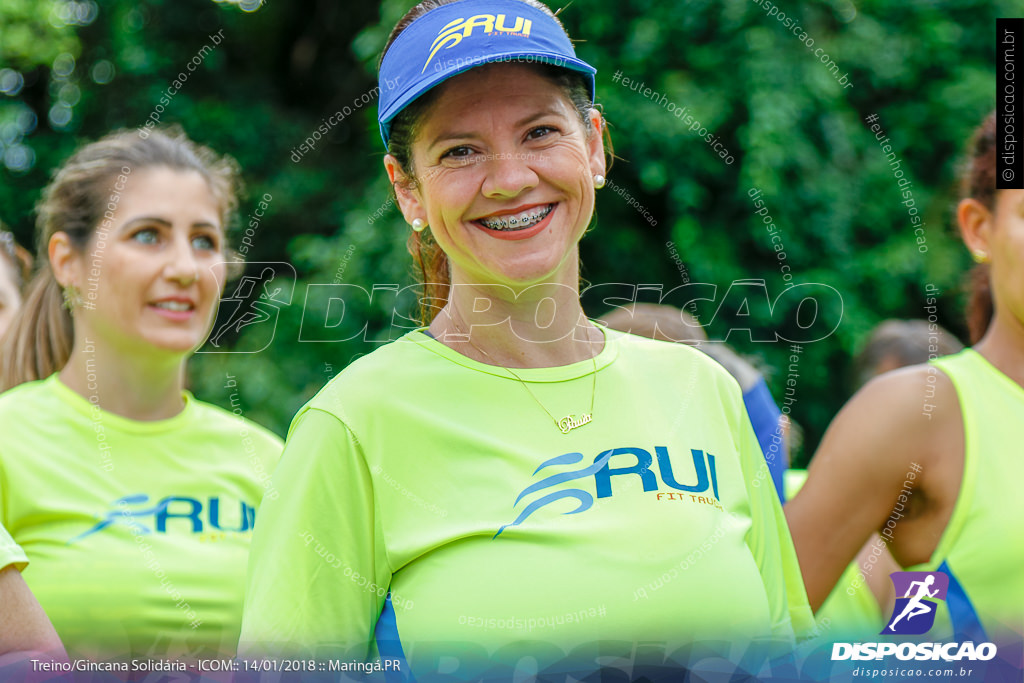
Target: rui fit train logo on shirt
x: 914, y: 613
x: 703, y: 470
x: 176, y: 509
x: 454, y: 31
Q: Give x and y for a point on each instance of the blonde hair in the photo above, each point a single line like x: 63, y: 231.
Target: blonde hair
x: 78, y: 197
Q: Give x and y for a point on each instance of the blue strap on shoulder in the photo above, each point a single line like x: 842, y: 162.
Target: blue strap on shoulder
x: 764, y: 417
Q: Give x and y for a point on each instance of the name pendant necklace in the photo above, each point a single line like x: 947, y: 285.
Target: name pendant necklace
x: 570, y: 421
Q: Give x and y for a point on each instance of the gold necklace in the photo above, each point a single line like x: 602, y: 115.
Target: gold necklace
x: 570, y: 421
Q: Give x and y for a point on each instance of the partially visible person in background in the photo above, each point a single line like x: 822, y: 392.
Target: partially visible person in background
x: 133, y: 501
x: 930, y: 455
x: 25, y: 631
x: 897, y: 343
x: 15, y: 268
x: 668, y: 323
x: 863, y: 596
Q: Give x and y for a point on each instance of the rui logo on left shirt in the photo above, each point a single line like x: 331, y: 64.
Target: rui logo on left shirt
x: 202, y: 517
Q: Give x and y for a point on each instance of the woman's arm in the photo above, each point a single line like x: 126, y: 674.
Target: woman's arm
x: 24, y: 627
x: 883, y: 433
x: 317, y: 571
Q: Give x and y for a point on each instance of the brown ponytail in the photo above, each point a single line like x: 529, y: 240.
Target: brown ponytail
x: 979, y: 183
x: 47, y: 345
x: 431, y: 263
x: 431, y: 268
x: 75, y: 202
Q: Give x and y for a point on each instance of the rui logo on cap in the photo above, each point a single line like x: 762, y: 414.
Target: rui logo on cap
x: 462, y: 35
x: 453, y: 32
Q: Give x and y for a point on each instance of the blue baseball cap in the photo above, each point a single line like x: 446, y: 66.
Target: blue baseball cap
x: 454, y: 38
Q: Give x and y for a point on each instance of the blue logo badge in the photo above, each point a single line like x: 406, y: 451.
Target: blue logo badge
x: 914, y: 612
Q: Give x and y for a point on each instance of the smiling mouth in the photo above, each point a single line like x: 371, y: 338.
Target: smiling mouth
x: 177, y: 306
x: 520, y: 221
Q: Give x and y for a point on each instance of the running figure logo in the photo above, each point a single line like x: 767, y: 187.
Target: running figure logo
x: 914, y: 613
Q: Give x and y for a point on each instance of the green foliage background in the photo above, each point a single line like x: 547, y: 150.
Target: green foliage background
x: 926, y: 68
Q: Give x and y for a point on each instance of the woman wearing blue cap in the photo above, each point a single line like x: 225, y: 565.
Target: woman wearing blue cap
x: 512, y: 483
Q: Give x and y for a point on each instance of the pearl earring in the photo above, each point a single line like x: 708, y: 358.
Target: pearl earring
x: 979, y: 256
x: 418, y: 224
x: 599, y: 181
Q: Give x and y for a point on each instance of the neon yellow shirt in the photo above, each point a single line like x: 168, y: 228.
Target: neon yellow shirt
x: 138, y: 532
x: 10, y: 552
x: 440, y: 478
x: 982, y: 548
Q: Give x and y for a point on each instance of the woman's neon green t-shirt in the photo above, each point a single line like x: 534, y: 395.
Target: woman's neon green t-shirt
x: 137, y: 532
x: 422, y: 472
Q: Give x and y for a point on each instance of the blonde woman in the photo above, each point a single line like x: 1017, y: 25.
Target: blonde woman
x: 134, y: 501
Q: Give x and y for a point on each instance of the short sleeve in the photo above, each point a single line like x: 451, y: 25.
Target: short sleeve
x: 318, y: 573
x: 10, y: 552
x: 770, y: 543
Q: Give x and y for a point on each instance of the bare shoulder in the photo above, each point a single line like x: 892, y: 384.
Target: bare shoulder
x: 902, y: 416
x: 904, y: 420
x: 902, y: 426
